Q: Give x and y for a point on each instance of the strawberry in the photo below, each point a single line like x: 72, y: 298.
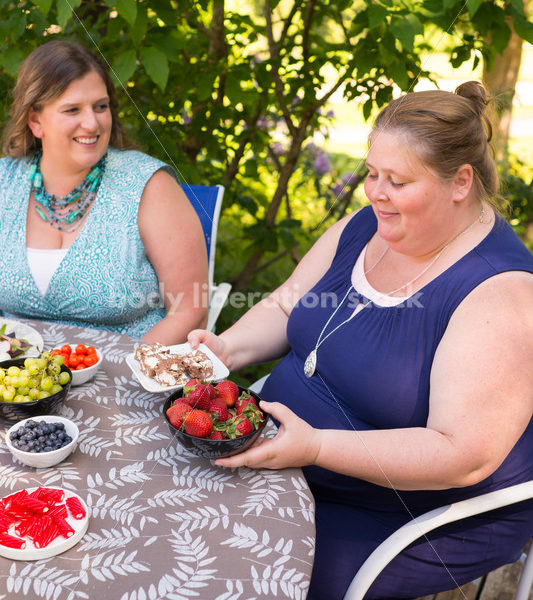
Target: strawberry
x: 176, y: 411
x: 197, y: 423
x: 190, y: 385
x: 200, y: 397
x: 216, y: 435
x: 218, y: 407
x: 228, y: 391
x: 243, y: 426
x: 244, y: 401
x: 238, y: 427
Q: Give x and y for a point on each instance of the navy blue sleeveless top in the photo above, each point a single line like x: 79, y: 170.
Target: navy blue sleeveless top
x: 377, y: 366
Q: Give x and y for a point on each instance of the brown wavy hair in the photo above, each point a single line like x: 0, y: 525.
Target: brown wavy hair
x: 448, y: 130
x: 43, y: 77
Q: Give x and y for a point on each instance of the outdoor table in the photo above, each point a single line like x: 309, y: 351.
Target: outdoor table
x: 163, y: 522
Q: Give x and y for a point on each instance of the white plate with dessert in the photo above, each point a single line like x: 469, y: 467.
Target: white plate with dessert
x: 161, y: 368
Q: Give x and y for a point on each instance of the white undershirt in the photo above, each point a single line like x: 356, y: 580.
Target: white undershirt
x: 43, y: 263
x: 362, y: 286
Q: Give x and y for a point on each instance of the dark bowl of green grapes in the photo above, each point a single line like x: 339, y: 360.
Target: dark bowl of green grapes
x: 30, y: 387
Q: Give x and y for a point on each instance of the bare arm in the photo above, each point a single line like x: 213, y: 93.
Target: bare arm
x: 260, y: 334
x: 481, y: 402
x: 174, y: 243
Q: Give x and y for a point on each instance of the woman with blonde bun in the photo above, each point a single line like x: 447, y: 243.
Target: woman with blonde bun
x: 407, y: 336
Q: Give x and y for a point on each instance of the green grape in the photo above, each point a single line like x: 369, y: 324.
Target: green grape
x: 46, y: 384
x: 28, y: 362
x: 56, y: 388
x: 43, y: 394
x: 15, y: 381
x: 2, y: 388
x: 33, y: 369
x: 57, y: 359
x: 7, y: 380
x: 40, y: 363
x: 20, y: 398
x: 8, y: 394
x: 23, y: 380
x: 64, y: 378
x: 33, y: 382
x: 13, y: 371
x: 24, y: 390
x: 2, y: 374
x: 24, y: 373
x: 33, y: 393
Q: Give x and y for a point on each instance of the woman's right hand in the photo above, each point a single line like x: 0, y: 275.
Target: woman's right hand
x: 212, y: 341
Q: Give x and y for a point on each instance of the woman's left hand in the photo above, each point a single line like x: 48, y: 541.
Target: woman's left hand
x: 295, y: 445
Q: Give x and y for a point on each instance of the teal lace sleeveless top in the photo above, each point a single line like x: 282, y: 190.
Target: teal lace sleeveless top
x: 105, y: 280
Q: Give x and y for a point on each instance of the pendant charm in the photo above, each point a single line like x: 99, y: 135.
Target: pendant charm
x: 310, y: 364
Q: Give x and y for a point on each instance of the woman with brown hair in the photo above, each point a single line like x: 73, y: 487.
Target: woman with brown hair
x: 413, y: 389
x: 93, y: 232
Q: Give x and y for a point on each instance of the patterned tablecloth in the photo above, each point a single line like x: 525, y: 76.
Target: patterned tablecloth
x: 164, y: 523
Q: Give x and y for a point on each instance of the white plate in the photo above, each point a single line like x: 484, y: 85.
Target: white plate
x: 25, y: 332
x: 59, y: 545
x: 220, y: 371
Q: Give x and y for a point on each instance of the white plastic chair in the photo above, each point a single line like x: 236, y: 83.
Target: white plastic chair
x: 207, y: 201
x: 421, y: 525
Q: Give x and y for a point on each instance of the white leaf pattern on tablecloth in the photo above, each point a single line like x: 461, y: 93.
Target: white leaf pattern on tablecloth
x: 164, y: 524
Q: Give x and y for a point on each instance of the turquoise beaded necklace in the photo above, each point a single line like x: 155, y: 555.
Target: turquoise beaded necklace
x: 64, y: 212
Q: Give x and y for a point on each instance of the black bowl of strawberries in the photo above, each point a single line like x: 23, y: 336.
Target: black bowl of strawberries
x: 214, y: 421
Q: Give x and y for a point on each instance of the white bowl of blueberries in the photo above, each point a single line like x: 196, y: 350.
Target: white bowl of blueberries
x: 42, y: 441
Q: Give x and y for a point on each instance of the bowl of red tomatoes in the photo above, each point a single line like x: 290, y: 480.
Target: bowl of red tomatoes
x: 84, y: 361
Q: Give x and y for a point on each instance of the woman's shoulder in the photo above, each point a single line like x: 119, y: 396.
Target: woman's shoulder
x: 503, y: 250
x: 130, y: 162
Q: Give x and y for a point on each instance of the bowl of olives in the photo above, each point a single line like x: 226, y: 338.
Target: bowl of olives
x: 33, y: 386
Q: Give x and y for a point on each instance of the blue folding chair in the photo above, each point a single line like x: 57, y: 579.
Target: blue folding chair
x: 207, y: 201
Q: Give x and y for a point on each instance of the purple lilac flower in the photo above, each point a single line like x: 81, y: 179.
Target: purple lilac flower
x: 321, y: 164
x: 347, y: 178
x: 338, y: 189
x: 277, y: 148
x: 330, y: 114
x: 262, y: 121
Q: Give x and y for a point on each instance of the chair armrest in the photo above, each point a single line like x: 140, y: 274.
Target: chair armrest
x: 219, y: 295
x: 433, y: 519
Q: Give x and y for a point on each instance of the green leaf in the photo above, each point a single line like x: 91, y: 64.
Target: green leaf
x: 138, y: 30
x: 405, y: 28
x: 43, y: 5
x: 155, y: 63
x: 376, y: 15
x: 11, y: 59
x: 523, y: 28
x: 127, y: 9
x: 65, y: 9
x: 124, y: 66
x: 473, y: 5
x: 518, y: 5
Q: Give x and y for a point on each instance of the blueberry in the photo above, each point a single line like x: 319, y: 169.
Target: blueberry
x: 41, y: 439
x: 30, y: 423
x: 38, y: 430
x: 68, y: 439
x: 51, y: 427
x: 47, y: 448
x: 52, y: 437
x: 24, y: 448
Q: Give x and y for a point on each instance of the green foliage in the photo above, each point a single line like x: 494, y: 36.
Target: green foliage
x: 237, y: 97
x: 517, y: 191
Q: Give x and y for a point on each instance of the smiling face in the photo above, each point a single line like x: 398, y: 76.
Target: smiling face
x: 416, y: 209
x: 75, y: 128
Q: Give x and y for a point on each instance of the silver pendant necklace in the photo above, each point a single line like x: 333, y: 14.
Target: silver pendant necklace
x: 312, y: 358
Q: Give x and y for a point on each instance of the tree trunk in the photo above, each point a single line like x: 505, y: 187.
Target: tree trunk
x: 500, y: 81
